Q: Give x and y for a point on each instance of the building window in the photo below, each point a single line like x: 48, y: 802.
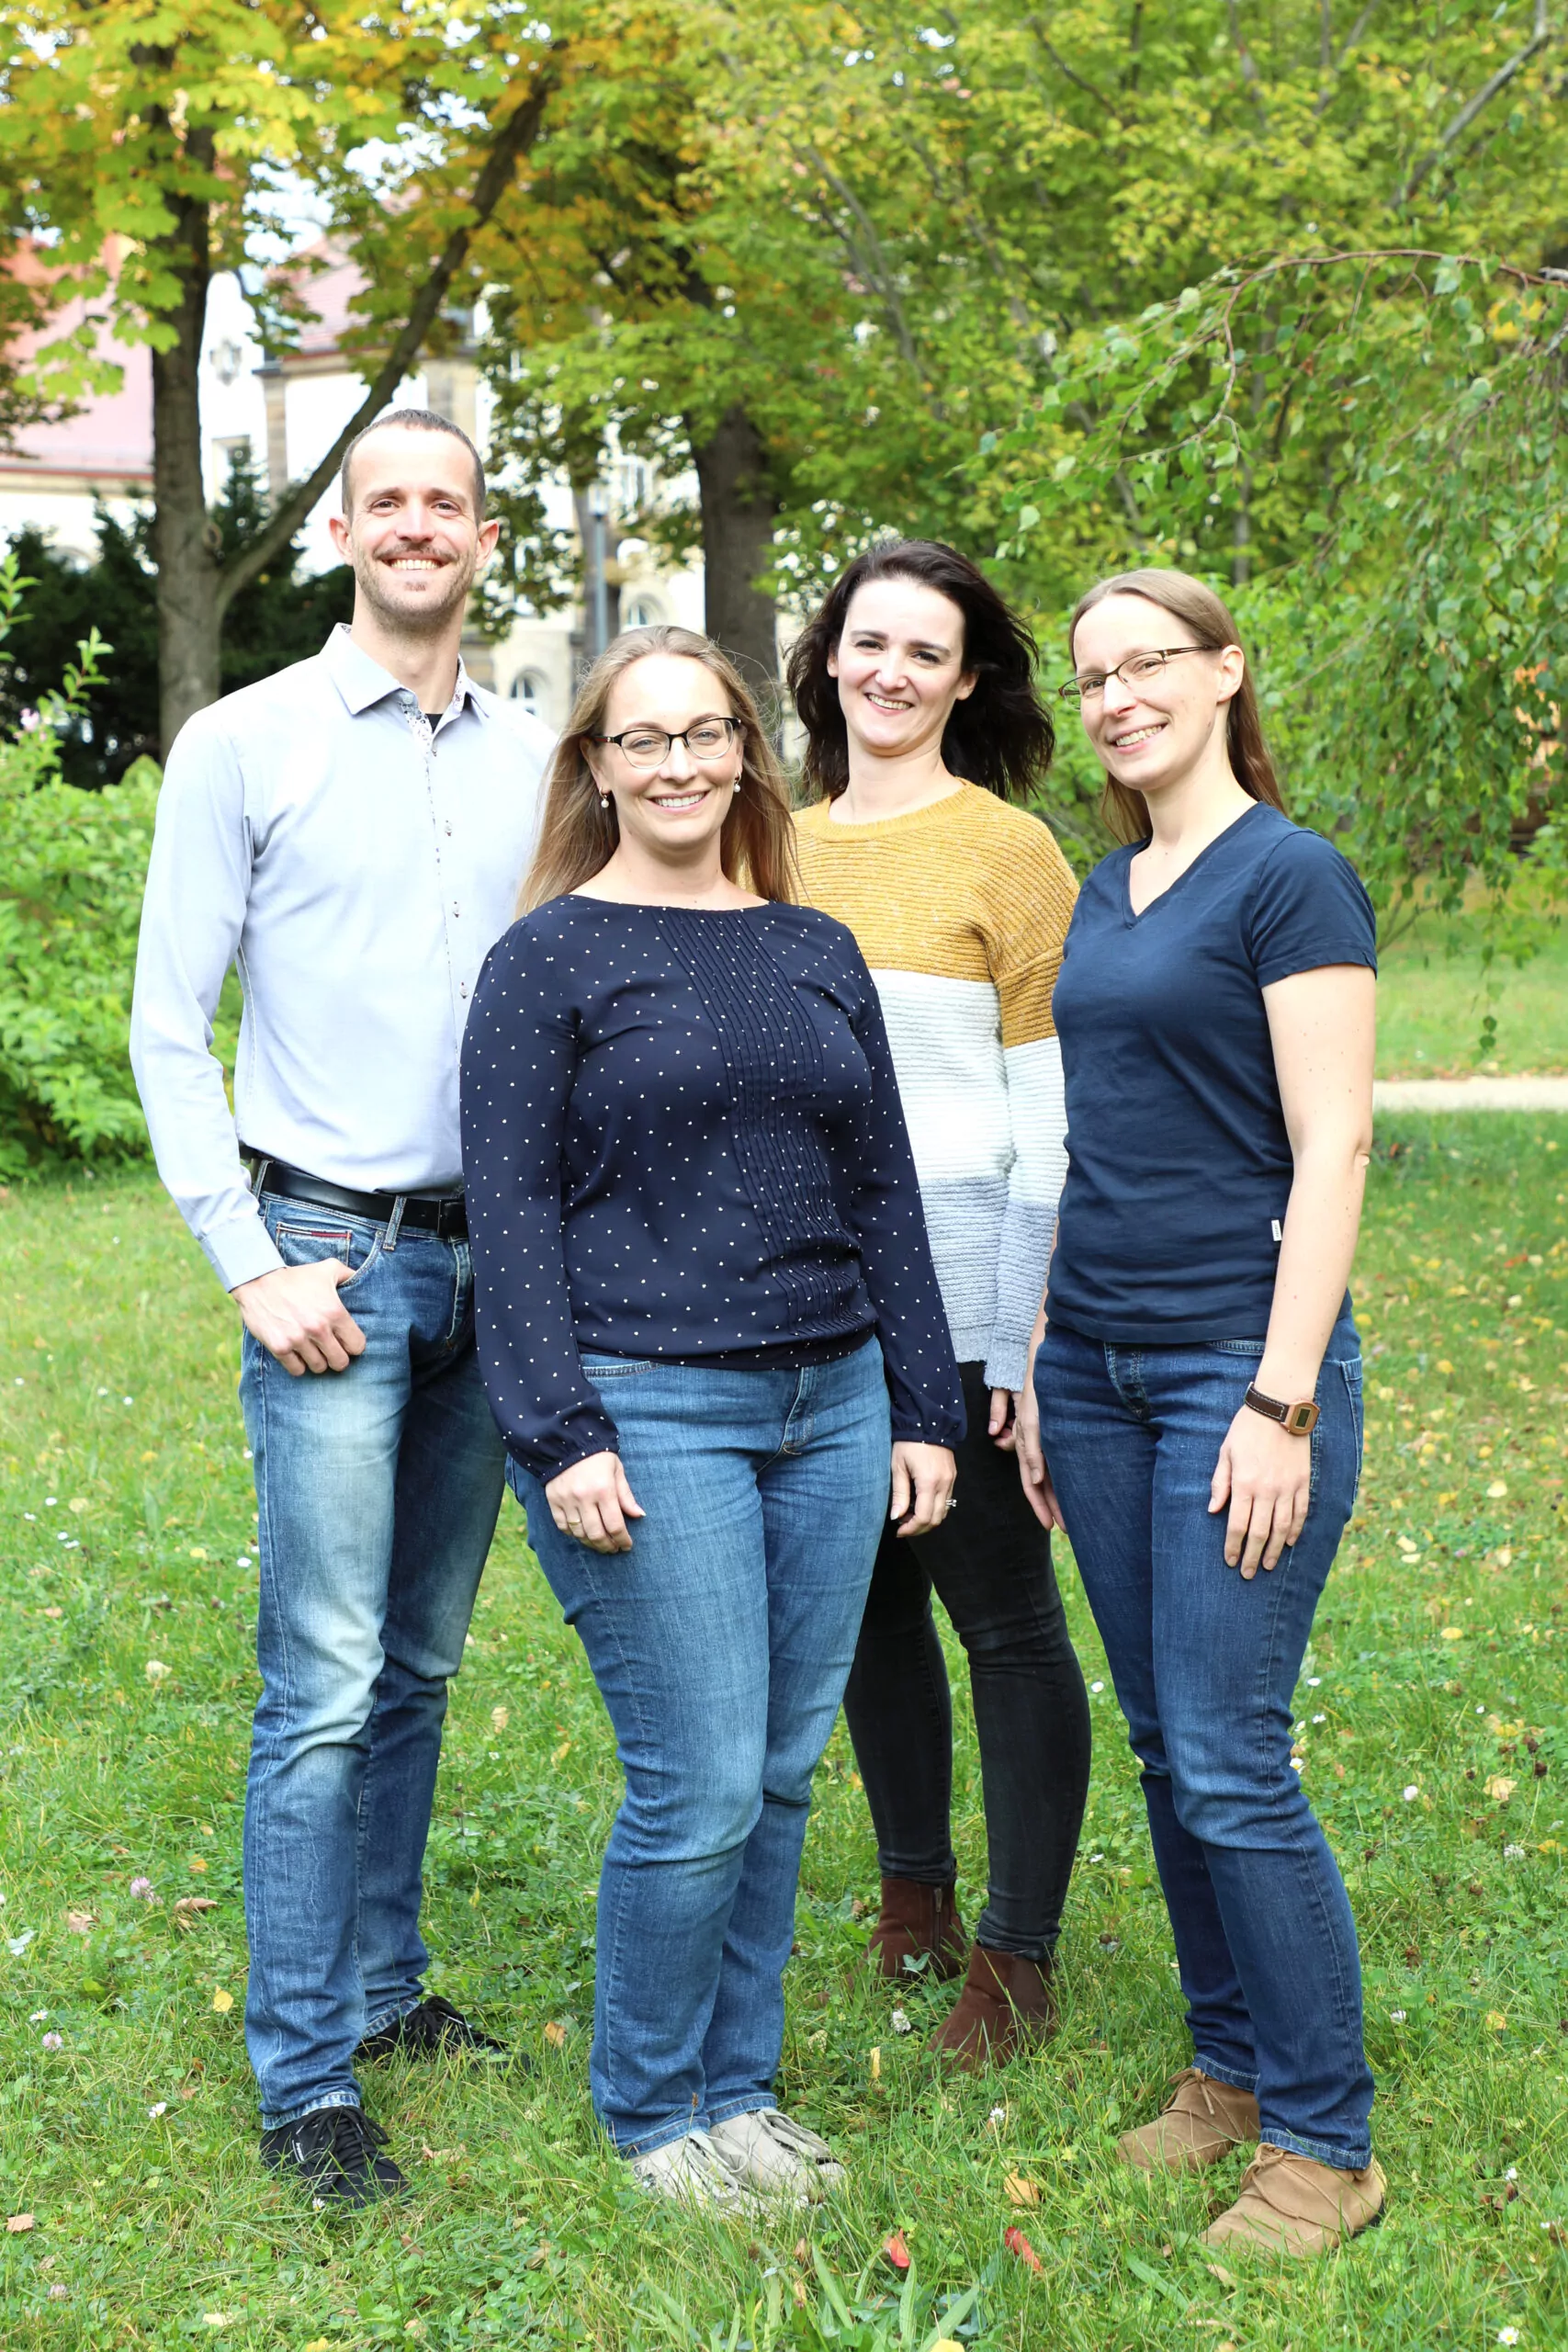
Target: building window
x: 528, y: 688
x: 643, y: 612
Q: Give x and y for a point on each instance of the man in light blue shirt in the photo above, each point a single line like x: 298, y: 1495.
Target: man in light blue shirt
x: 351, y: 834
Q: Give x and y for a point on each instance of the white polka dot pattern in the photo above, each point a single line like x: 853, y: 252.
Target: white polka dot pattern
x: 681, y: 1139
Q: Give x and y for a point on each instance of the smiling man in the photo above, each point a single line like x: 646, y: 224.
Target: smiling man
x: 350, y: 833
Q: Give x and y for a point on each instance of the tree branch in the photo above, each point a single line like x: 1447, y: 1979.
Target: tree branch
x: 1249, y: 73
x: 1336, y: 66
x: 1079, y: 81
x: 877, y: 271
x: 514, y: 139
x: 1461, y: 121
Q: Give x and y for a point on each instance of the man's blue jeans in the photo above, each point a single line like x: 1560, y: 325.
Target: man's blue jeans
x: 378, y: 1490
x: 721, y: 1644
x: 1206, y: 1667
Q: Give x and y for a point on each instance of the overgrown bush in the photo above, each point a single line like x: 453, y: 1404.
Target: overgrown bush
x: 72, y: 867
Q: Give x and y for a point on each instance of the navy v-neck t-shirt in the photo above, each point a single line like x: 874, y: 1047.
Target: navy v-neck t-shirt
x: 1179, y: 1163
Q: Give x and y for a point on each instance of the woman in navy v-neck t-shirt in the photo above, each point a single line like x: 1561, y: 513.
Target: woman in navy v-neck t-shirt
x: 1197, y: 1382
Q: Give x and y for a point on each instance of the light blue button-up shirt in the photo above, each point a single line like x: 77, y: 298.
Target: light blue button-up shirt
x: 357, y: 865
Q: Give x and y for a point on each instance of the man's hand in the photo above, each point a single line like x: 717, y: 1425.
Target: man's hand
x: 923, y: 1480
x: 297, y: 1317
x: 593, y: 1501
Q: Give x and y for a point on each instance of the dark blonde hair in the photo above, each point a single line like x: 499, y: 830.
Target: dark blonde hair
x: 578, y: 836
x: 1209, y: 620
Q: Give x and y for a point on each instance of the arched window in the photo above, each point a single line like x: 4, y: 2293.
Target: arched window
x: 643, y: 611
x: 528, y: 688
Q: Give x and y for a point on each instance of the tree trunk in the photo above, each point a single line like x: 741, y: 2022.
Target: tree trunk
x: 739, y: 510
x: 190, y: 617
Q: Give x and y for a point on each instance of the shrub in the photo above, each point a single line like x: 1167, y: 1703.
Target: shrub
x: 71, y: 868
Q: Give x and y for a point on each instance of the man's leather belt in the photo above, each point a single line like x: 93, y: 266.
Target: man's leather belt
x: 447, y: 1215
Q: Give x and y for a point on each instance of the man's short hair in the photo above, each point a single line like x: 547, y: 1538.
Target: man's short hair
x: 416, y: 420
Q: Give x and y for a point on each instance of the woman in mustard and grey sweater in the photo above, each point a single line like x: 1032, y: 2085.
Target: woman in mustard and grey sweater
x: 915, y: 686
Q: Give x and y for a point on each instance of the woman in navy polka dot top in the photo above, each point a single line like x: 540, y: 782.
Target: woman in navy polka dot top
x: 713, y: 1338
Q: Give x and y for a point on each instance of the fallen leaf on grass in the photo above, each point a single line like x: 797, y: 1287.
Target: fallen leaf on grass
x: 1496, y: 2021
x: 896, y: 2250
x: 555, y: 2034
x: 876, y: 2065
x: 80, y: 1923
x: 1497, y: 1491
x: 498, y: 1718
x: 1226, y: 2278
x: 222, y: 2001
x: 189, y: 1906
x: 557, y: 1754
x: 320, y: 2344
x: 17, y: 2222
x: 1016, y: 2242
x: 1501, y: 1787
x: 1021, y: 2191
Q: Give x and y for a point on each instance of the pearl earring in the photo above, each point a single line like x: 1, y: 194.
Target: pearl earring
x: 604, y: 800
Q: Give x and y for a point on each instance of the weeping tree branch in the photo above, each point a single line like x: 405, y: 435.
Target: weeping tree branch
x: 513, y: 142
x: 1506, y: 73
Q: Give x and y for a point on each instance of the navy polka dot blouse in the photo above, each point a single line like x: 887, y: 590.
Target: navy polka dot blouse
x: 682, y: 1139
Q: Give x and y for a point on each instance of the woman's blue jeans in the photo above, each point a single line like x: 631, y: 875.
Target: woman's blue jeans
x: 1205, y: 1669
x: 721, y: 1644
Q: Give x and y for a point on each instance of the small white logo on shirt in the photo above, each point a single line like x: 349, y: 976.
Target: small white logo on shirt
x: 1278, y: 1230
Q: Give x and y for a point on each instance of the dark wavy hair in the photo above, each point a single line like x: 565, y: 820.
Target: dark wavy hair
x: 1001, y: 737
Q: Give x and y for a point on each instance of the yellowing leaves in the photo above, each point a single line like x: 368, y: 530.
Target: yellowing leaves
x: 1501, y: 1787
x: 1018, y: 2191
x: 222, y: 2001
x: 1497, y: 1491
x: 1496, y: 2021
x: 555, y: 2034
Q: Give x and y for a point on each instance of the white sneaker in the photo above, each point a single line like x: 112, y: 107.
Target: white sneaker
x: 690, y: 2171
x: 776, y: 2157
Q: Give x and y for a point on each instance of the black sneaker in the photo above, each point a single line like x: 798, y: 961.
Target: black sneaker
x: 334, y: 2150
x: 432, y: 2029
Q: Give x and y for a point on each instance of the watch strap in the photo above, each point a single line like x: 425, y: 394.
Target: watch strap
x: 1299, y: 1419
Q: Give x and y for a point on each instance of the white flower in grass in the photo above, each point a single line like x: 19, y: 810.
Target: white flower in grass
x: 1411, y: 1792
x: 1508, y: 2336
x: 1513, y: 1853
x: 1097, y: 1686
x: 1397, y: 2017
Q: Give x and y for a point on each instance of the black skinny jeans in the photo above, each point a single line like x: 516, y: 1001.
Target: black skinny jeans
x: 990, y: 1563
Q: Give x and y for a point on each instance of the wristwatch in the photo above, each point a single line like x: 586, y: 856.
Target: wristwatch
x: 1299, y: 1419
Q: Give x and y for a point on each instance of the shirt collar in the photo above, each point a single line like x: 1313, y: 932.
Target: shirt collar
x: 363, y: 682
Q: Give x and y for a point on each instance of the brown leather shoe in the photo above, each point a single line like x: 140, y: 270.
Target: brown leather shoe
x: 1200, y: 2122
x: 917, y: 1922
x: 1005, y: 2003
x: 1289, y: 2204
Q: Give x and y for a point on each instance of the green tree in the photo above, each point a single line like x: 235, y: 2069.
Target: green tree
x: 1414, y: 627
x: 148, y: 143
x: 281, y: 616
x: 861, y: 238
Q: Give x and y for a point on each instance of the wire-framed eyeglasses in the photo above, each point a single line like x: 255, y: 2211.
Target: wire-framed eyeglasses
x: 1137, y: 669
x: 649, y: 747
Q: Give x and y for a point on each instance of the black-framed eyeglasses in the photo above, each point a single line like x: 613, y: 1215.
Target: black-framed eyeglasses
x: 1136, y: 671
x: 649, y: 747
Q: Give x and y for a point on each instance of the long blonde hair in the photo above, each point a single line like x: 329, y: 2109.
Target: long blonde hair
x: 1208, y: 616
x: 578, y: 836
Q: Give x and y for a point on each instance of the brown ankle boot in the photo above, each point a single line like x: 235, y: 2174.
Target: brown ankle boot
x: 1005, y: 2003
x: 1200, y: 2122
x: 917, y: 1922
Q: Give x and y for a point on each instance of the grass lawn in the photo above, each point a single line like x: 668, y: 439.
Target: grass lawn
x: 1431, y: 1736
x: 1433, y: 994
